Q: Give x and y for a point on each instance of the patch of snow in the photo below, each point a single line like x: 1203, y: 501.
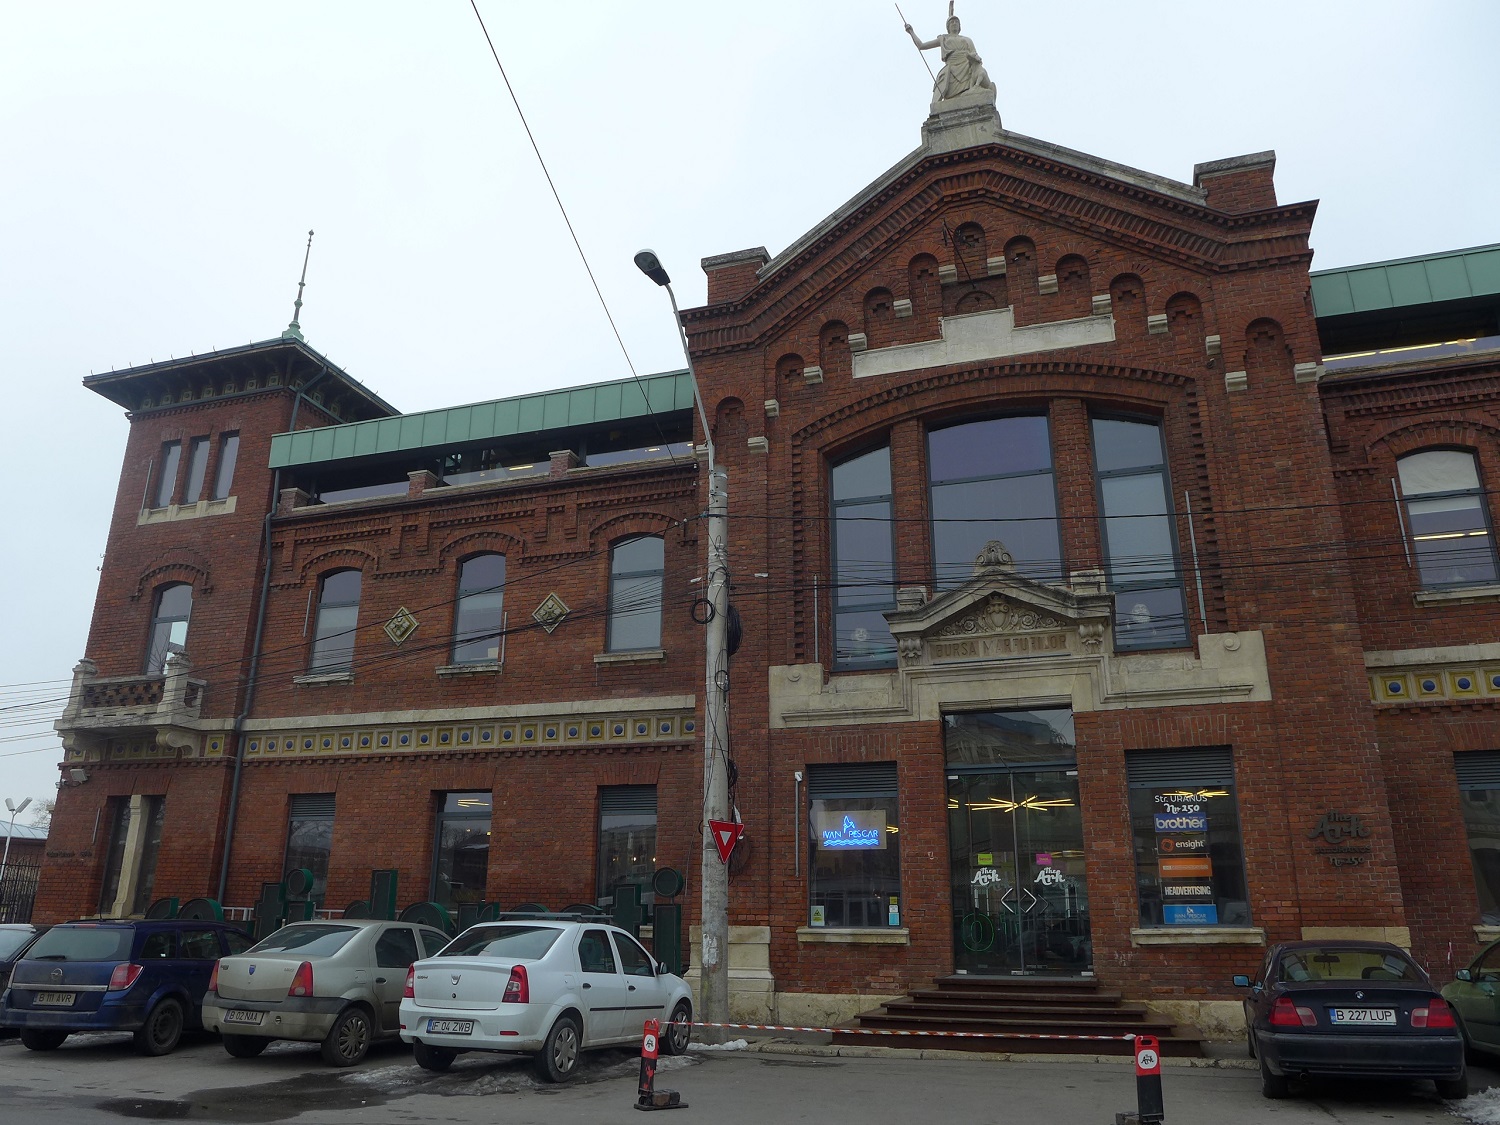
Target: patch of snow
x: 732, y: 1045
x: 1479, y: 1109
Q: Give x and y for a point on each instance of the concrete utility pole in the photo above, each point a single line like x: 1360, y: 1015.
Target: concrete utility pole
x: 713, y: 960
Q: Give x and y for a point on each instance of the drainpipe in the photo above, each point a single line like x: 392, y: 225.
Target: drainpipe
x: 237, y: 731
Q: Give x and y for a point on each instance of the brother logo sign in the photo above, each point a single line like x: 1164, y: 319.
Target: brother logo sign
x: 1182, y: 822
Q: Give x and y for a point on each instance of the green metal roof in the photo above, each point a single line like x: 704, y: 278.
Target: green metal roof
x: 1432, y: 278
x: 616, y: 401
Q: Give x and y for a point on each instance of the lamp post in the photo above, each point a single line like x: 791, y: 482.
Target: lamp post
x: 713, y: 961
x: 15, y: 811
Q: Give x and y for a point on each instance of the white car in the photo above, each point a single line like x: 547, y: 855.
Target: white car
x: 548, y: 987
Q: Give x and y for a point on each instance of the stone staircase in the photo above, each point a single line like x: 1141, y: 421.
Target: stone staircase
x: 1034, y: 1005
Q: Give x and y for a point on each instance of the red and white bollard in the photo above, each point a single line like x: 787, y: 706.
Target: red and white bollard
x: 1149, y: 1110
x: 648, y: 1096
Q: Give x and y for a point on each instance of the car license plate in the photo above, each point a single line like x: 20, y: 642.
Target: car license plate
x: 236, y: 1016
x: 450, y: 1027
x: 54, y: 999
x: 1364, y: 1015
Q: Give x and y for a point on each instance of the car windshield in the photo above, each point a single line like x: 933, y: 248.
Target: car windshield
x: 11, y: 941
x: 82, y: 943
x: 1332, y: 962
x: 515, y: 943
x: 308, y: 940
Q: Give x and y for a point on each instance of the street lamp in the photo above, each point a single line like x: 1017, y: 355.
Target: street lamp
x: 15, y: 811
x: 713, y: 961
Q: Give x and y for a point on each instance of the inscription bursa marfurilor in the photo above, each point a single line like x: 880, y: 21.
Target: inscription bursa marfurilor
x: 990, y: 648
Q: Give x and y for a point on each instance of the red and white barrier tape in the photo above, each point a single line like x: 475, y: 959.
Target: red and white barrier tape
x: 923, y: 1034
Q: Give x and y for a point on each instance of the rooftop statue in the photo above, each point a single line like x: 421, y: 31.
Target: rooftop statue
x: 963, y: 70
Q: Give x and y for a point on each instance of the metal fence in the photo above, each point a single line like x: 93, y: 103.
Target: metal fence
x: 18, y: 890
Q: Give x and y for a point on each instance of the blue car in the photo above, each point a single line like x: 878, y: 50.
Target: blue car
x: 145, y: 977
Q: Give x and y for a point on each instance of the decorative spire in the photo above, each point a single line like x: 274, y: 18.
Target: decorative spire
x: 294, y: 329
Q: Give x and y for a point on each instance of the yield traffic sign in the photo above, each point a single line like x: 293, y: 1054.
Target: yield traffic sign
x: 726, y: 835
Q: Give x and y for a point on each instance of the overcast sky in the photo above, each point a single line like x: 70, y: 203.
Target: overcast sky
x: 162, y: 163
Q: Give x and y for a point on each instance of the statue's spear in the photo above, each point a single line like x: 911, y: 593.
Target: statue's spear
x: 920, y: 55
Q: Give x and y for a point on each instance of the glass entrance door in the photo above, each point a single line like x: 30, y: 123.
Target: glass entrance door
x: 1020, y: 896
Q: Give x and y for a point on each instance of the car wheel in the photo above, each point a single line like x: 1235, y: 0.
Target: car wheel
x: 1453, y: 1089
x: 1274, y: 1085
x: 349, y: 1038
x: 679, y: 1030
x: 245, y: 1046
x: 435, y: 1059
x: 41, y: 1039
x: 559, y: 1055
x: 162, y: 1029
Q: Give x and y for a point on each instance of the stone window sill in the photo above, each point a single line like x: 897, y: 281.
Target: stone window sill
x: 837, y: 935
x: 1199, y: 935
x: 640, y: 656
x: 1484, y: 934
x: 478, y: 668
x: 1463, y: 595
x: 317, y: 678
x: 171, y: 512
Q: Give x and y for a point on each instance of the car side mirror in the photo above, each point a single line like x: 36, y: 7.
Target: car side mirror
x: 1463, y: 974
x: 1241, y: 981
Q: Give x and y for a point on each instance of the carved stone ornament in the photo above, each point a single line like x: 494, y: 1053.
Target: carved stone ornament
x: 401, y: 625
x: 549, y: 615
x: 994, y: 559
x: 999, y: 616
x: 910, y: 649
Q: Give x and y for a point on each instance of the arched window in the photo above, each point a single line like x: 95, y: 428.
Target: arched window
x: 1449, y: 523
x: 993, y: 480
x: 477, y: 624
x: 864, y: 567
x: 635, y: 581
x: 1140, y: 541
x: 338, y: 617
x: 169, y: 625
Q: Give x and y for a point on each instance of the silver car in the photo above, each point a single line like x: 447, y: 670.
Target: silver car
x: 549, y: 988
x: 337, y: 983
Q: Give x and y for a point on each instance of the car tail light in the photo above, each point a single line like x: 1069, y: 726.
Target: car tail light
x: 123, y: 977
x: 518, y: 988
x: 1435, y: 1014
x: 410, y: 991
x: 302, y: 983
x: 213, y: 979
x: 1286, y: 1014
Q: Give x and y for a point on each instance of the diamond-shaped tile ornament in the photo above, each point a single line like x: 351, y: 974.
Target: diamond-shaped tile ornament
x: 549, y: 615
x: 401, y: 625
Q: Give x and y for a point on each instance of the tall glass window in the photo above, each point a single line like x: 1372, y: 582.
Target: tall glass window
x: 197, y: 470
x: 1189, y: 864
x: 1479, y: 792
x: 166, y: 476
x: 169, y: 625
x: 864, y: 561
x: 229, y: 452
x: 1449, y: 523
x: 114, y: 855
x: 309, y: 839
x: 993, y: 480
x: 635, y: 584
x: 338, y: 618
x: 853, y: 857
x: 627, y: 838
x: 1140, y: 545
x: 461, y: 872
x: 119, y: 863
x: 154, y: 811
x: 477, y: 621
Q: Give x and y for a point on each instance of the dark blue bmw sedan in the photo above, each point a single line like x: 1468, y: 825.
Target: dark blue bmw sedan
x: 1350, y: 1009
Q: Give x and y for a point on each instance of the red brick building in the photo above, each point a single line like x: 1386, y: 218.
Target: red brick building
x: 1117, y: 598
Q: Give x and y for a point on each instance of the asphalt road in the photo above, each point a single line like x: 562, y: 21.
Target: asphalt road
x: 99, y: 1079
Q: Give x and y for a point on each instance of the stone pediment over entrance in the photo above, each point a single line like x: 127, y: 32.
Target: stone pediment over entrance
x: 1001, y: 615
x: 1003, y: 641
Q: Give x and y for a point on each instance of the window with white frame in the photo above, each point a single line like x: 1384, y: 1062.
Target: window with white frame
x: 1447, y: 518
